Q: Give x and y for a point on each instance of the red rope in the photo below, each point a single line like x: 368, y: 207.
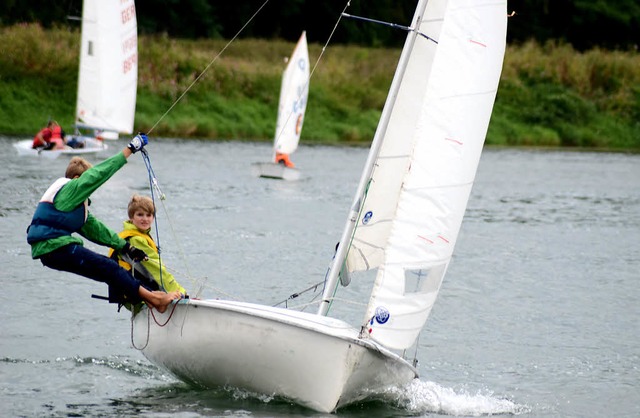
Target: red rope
x: 168, y: 319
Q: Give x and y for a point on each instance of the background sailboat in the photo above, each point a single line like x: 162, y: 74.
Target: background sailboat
x: 108, y: 74
x: 107, y: 78
x: 403, y: 222
x: 294, y: 92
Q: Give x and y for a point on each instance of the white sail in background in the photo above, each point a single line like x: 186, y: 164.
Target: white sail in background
x: 294, y: 92
x: 108, y: 74
x: 417, y: 195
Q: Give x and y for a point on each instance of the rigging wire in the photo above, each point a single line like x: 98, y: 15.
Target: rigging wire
x: 324, y: 48
x: 315, y: 66
x: 306, y: 85
x: 197, y: 284
x: 153, y: 182
x: 208, y: 66
x: 313, y: 287
x: 393, y: 25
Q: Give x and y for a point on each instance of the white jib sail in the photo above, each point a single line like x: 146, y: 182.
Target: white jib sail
x: 108, y: 74
x: 293, y: 99
x: 426, y: 166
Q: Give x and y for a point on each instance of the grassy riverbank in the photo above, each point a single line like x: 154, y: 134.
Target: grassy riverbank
x: 549, y: 95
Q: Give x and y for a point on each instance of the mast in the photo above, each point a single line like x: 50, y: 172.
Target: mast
x: 345, y: 239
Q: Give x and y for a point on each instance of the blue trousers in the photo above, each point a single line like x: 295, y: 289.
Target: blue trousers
x: 77, y: 259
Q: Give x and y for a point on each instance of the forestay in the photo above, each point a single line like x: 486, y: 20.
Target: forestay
x: 108, y: 74
x: 422, y: 176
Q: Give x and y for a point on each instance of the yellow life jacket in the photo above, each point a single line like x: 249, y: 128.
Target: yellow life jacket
x: 126, y: 234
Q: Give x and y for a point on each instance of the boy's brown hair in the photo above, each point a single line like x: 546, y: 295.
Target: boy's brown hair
x: 76, y: 167
x: 142, y: 203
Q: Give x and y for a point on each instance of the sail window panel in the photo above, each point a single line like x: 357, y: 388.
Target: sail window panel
x: 423, y: 280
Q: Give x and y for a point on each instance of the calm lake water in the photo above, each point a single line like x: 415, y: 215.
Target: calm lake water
x: 538, y: 315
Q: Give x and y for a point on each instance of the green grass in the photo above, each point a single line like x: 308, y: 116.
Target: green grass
x: 549, y: 95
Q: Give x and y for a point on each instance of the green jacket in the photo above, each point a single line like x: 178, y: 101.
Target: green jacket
x: 74, y: 193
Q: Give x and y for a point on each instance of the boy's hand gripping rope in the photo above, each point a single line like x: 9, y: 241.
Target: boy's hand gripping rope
x: 153, y: 181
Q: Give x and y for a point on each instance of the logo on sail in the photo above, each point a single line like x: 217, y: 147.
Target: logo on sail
x: 382, y: 315
x: 367, y: 217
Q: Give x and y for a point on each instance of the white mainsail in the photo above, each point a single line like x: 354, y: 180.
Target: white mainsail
x: 108, y: 73
x: 294, y: 92
x: 410, y: 215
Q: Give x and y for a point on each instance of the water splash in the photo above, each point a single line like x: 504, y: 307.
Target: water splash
x: 243, y: 394
x: 121, y: 363
x: 420, y: 397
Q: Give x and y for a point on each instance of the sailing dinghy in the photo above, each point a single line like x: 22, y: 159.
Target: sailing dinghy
x: 403, y: 222
x: 294, y: 92
x: 92, y: 146
x: 107, y: 78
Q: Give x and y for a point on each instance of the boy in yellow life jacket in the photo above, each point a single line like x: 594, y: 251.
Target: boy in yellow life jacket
x: 137, y: 228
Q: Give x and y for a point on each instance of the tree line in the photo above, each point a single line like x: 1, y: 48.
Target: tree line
x: 584, y: 24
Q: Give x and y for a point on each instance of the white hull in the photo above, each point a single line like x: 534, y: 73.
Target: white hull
x: 275, y: 171
x: 315, y: 361
x: 92, y: 146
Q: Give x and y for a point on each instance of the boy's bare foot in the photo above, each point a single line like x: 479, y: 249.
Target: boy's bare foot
x: 158, y: 299
x: 165, y: 299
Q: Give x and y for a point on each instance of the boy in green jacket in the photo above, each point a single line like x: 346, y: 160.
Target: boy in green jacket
x: 64, y: 209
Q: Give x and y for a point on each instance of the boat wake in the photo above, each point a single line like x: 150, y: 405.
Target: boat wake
x: 417, y: 398
x: 420, y: 397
